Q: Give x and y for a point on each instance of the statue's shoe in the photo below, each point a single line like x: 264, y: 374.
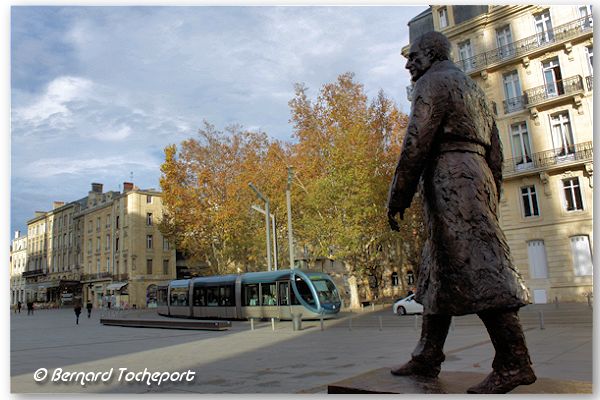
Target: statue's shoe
x: 504, y: 381
x: 417, y: 368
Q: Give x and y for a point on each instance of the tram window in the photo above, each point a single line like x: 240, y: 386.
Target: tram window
x: 212, y: 296
x: 250, y: 295
x: 183, y: 299
x: 226, y: 296
x: 269, y: 294
x: 283, y: 293
x: 199, y: 296
x: 304, y: 291
x: 162, y: 297
x: 326, y: 291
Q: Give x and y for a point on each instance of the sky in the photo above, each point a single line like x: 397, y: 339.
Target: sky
x: 96, y: 93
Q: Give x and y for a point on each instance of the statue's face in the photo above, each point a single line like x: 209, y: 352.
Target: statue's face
x: 419, y: 61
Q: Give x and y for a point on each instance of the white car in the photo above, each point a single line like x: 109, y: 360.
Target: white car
x: 408, y: 305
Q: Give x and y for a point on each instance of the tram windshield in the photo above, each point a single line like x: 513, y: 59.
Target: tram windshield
x: 326, y: 291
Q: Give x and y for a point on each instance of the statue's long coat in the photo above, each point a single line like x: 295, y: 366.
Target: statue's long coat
x: 452, y: 143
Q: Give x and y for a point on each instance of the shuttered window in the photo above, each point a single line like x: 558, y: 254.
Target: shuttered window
x: 538, y: 265
x: 582, y: 255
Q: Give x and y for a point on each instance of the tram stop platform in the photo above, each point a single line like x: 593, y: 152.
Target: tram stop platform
x: 381, y: 381
x: 205, y: 325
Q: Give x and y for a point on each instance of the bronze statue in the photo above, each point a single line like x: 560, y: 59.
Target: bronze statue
x: 452, y: 147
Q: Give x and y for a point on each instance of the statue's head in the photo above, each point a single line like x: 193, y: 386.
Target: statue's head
x: 425, y: 51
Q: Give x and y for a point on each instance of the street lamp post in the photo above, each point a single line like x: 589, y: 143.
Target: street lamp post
x: 267, y: 213
x: 274, y: 228
x: 288, y: 197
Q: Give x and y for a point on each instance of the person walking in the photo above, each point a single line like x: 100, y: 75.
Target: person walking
x: 89, y: 308
x: 77, y: 310
x: 453, y: 148
x: 30, y: 307
x: 19, y: 305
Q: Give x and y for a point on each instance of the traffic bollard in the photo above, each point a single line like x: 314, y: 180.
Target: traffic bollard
x: 380, y: 323
x: 416, y: 322
x: 321, y: 320
x: 273, y: 324
x: 541, y: 313
x: 252, y: 324
x: 372, y: 306
x: 556, y: 302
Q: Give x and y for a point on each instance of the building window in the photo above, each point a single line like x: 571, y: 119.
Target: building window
x: 543, y: 28
x: 165, y: 267
x: 553, y: 78
x: 89, y: 250
x: 117, y: 222
x: 107, y: 242
x: 165, y: 244
x: 149, y: 219
x: 586, y: 11
x: 589, y: 50
x: 562, y: 135
x: 572, y: 191
x: 443, y: 14
x: 530, y: 204
x: 107, y: 264
x: 148, y: 199
x: 394, y: 279
x: 410, y: 278
x: 512, y: 92
x: 582, y: 255
x: 116, y: 244
x: 149, y: 266
x: 97, y: 243
x: 504, y: 41
x: 538, y: 264
x: 98, y: 266
x: 520, y: 144
x: 108, y: 220
x: 98, y: 223
x: 465, y: 55
x: 148, y: 241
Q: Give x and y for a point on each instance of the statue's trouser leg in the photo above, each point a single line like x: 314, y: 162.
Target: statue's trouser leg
x: 428, y: 355
x: 512, y: 364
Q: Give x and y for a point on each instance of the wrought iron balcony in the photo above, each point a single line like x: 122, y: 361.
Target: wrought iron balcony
x: 100, y: 275
x: 514, y: 104
x: 545, y: 159
x: 558, y: 88
x: 36, y: 272
x: 521, y: 47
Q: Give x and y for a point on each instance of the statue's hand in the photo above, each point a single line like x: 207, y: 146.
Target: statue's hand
x: 392, y: 218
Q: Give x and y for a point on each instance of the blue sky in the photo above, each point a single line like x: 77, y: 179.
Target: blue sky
x: 98, y: 92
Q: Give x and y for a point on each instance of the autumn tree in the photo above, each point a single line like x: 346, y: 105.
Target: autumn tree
x: 345, y: 156
x: 207, y: 199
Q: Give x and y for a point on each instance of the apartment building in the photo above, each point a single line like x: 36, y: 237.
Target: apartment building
x: 18, y: 261
x: 535, y: 65
x: 105, y: 247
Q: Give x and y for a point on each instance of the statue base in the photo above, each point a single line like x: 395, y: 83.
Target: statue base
x: 448, y: 382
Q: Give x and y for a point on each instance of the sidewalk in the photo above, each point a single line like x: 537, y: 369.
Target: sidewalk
x: 242, y: 360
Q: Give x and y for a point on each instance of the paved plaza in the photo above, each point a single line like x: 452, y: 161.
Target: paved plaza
x: 264, y: 360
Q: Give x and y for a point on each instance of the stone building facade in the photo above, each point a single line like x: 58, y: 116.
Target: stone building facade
x: 535, y: 65
x: 18, y: 261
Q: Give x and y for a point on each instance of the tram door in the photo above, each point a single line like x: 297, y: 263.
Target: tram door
x: 283, y: 296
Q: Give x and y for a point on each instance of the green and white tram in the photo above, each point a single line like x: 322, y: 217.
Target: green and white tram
x: 276, y: 294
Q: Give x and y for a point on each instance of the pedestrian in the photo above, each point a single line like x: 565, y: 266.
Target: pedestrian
x: 453, y: 149
x: 77, y: 310
x: 19, y: 305
x: 30, y: 307
x: 89, y: 308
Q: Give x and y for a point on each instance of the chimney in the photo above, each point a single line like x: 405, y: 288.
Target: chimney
x: 127, y: 186
x: 57, y: 204
x: 97, y: 187
x: 17, y: 234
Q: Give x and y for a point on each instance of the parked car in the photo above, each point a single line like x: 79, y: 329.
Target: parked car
x: 408, y: 305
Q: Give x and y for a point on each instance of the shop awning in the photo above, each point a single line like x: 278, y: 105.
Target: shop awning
x: 116, y: 286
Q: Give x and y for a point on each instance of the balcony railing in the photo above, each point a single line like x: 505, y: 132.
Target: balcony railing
x: 589, y: 81
x: 520, y: 47
x: 100, y: 275
x: 33, y: 273
x: 577, y: 152
x: 553, y: 89
x: 514, y: 104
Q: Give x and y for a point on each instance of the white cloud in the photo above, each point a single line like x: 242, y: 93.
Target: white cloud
x: 114, y: 135
x: 54, y: 102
